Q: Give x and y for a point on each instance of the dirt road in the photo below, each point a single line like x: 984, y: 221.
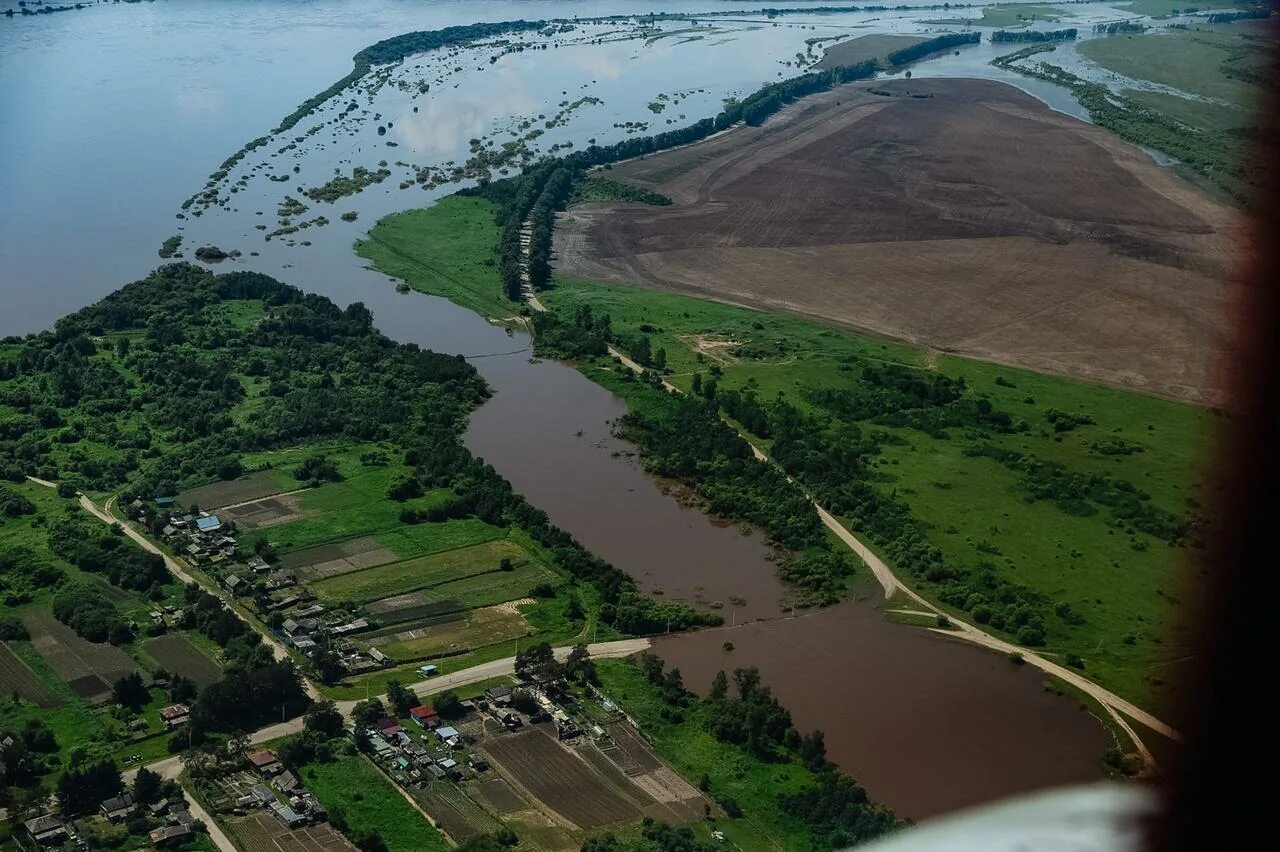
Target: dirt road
x: 1115, y: 706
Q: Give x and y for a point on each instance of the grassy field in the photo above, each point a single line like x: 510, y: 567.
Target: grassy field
x: 449, y: 252
x: 693, y: 751
x: 371, y: 803
x: 1191, y: 61
x: 1009, y: 15
x: 469, y: 575
x: 1125, y: 587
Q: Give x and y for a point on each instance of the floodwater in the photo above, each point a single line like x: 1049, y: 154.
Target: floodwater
x: 927, y: 724
x: 111, y: 116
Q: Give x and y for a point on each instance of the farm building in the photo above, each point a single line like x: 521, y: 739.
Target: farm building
x: 426, y: 717
x: 265, y: 762
x: 170, y: 835
x: 118, y: 807
x: 46, y: 830
x: 287, y: 782
x: 288, y: 815
x: 208, y: 524
x: 175, y: 715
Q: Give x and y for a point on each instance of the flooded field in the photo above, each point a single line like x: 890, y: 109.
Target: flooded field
x: 927, y: 724
x: 108, y: 127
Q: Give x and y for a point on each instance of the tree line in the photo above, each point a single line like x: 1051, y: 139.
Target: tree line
x: 1068, y: 34
x: 741, y: 711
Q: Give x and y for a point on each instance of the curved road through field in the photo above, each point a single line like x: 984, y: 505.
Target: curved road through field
x: 1116, y: 707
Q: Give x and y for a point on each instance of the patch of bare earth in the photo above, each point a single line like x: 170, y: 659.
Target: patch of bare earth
x: 970, y: 218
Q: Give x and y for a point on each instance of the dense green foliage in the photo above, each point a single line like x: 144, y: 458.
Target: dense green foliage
x: 921, y: 49
x: 835, y: 810
x: 155, y: 399
x: 1068, y: 34
x: 603, y: 189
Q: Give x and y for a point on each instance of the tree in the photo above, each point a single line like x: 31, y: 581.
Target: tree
x: 366, y: 713
x: 719, y: 687
x: 323, y: 718
x: 402, y: 700
x: 82, y: 788
x: 579, y: 666
x: 182, y: 689
x: 130, y: 692
x: 448, y: 705
x: 146, y: 786
x: 538, y: 664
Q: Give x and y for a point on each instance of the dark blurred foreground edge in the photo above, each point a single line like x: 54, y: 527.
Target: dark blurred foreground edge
x: 1220, y: 793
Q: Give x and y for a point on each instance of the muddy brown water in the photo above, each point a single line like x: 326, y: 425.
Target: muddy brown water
x: 926, y: 723
x: 549, y: 431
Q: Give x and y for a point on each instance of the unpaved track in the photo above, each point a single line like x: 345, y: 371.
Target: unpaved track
x: 972, y: 219
x: 1116, y: 707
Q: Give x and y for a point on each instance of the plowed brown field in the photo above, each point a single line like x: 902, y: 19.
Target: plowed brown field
x: 970, y: 218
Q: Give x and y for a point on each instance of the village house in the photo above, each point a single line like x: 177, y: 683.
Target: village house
x: 234, y: 584
x: 170, y: 835
x: 258, y: 565
x: 426, y: 717
x: 288, y: 815
x: 265, y: 762
x: 208, y: 524
x: 280, y: 579
x: 448, y: 735
x: 287, y: 782
x: 388, y: 726
x: 46, y: 830
x: 499, y: 696
x: 118, y: 808
x: 175, y: 715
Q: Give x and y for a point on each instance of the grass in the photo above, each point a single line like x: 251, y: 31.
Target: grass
x: 448, y: 250
x: 371, y: 803
x: 976, y: 510
x: 469, y: 575
x: 1190, y: 61
x: 693, y: 751
x: 1009, y: 15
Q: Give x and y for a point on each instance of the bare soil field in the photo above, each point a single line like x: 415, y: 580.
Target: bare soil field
x: 16, y: 677
x: 88, y: 668
x: 966, y: 217
x: 252, y: 487
x: 454, y: 812
x: 498, y: 795
x: 558, y: 779
x: 265, y: 513
x: 263, y: 832
x: 865, y: 47
x: 330, y: 560
x: 175, y: 652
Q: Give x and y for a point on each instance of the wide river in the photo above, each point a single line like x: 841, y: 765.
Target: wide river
x: 111, y: 116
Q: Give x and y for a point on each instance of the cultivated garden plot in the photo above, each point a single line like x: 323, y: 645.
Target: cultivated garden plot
x: 178, y: 654
x: 264, y: 832
x: 216, y: 495
x: 17, y: 678
x: 89, y: 668
x: 563, y: 782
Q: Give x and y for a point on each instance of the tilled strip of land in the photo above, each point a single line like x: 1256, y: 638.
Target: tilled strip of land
x: 963, y: 215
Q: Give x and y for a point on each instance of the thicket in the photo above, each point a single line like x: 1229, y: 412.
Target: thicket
x: 921, y: 49
x: 98, y: 550
x: 836, y: 810
x: 87, y: 611
x: 1034, y: 35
